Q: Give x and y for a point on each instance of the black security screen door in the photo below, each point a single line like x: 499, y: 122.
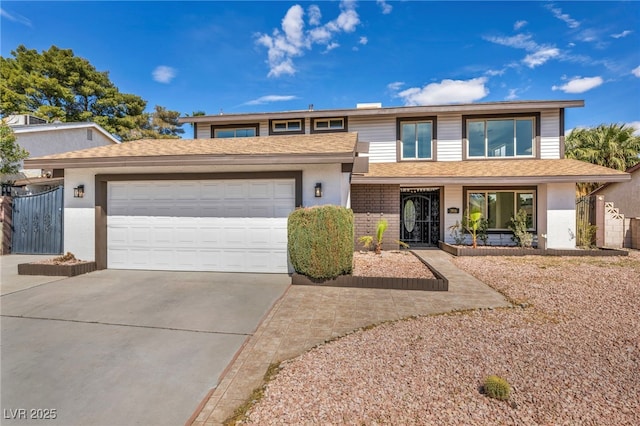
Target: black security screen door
x: 420, y: 216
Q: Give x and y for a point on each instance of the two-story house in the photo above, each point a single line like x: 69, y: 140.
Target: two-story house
x: 220, y: 201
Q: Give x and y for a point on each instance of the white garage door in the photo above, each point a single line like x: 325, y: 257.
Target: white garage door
x: 209, y: 225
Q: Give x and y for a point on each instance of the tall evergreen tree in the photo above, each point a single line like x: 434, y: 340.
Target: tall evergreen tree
x: 57, y: 85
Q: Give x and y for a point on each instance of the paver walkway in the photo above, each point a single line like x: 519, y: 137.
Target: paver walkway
x: 308, y: 316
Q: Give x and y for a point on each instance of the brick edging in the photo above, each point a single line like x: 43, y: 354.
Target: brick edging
x: 518, y: 251
x: 56, y: 270
x: 440, y: 283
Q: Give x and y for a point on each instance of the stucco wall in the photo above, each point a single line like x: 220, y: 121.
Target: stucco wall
x: 624, y: 195
x: 57, y: 141
x: 561, y: 215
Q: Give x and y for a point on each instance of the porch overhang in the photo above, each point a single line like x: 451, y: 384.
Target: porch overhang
x: 488, y: 172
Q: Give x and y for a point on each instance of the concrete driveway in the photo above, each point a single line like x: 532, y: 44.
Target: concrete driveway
x: 124, y: 347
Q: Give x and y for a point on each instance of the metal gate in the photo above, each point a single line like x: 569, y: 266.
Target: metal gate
x: 37, y: 223
x: 420, y: 216
x: 586, y: 221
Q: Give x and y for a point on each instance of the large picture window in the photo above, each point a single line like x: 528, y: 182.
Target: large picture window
x: 501, y: 137
x: 499, y: 206
x: 416, y: 139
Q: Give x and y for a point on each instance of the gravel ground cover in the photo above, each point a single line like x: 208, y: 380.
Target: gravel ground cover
x: 572, y: 356
x: 401, y: 264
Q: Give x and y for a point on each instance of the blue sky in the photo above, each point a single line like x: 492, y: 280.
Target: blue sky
x: 241, y: 56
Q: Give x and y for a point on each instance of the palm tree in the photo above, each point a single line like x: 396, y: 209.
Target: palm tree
x: 609, y: 145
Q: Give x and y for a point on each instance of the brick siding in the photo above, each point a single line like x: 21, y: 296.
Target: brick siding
x: 370, y: 203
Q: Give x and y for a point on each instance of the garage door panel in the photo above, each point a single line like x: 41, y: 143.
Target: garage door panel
x: 234, y: 210
x: 261, y: 190
x: 234, y: 190
x: 222, y: 225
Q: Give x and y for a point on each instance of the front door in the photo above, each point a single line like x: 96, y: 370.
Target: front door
x: 420, y: 216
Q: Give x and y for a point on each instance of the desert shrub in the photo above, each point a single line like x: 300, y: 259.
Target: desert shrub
x: 320, y: 241
x: 586, y: 235
x: 519, y: 225
x: 67, y: 257
x: 367, y: 240
x: 497, y: 387
x: 457, y: 233
x: 483, y: 231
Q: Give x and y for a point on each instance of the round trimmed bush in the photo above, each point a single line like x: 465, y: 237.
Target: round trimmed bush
x: 320, y: 241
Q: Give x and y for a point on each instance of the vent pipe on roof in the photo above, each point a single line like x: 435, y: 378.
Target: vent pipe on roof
x: 369, y: 105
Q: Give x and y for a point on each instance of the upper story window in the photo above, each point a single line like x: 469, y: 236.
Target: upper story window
x: 333, y: 124
x: 416, y: 139
x: 293, y: 126
x: 89, y: 134
x: 501, y: 137
x: 234, y: 131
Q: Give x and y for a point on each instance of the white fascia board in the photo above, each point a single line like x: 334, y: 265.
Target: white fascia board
x: 453, y: 180
x: 199, y: 160
x: 58, y: 127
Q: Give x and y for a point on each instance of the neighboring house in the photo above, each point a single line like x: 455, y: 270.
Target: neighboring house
x: 220, y: 201
x: 42, y: 138
x: 617, y: 212
x: 624, y: 195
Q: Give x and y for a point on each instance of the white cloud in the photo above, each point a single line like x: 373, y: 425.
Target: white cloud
x: 384, y: 7
x: 493, y: 73
x: 622, y: 34
x: 447, y: 91
x: 363, y: 40
x: 557, y: 12
x: 293, y: 40
x: 520, y: 41
x: 395, y: 86
x: 348, y: 19
x: 579, y: 84
x: 636, y: 126
x: 636, y: 71
x: 314, y: 14
x: 270, y: 98
x: 541, y: 56
x: 293, y: 27
x: 163, y: 74
x: 519, y: 24
x: 331, y: 46
x: 513, y: 94
x: 16, y: 18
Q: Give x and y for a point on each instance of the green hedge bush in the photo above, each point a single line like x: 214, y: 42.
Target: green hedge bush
x: 320, y: 241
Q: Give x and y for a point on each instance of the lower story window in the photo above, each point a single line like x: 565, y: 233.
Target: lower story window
x: 499, y: 206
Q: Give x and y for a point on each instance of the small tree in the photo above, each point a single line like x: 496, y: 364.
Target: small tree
x: 471, y: 223
x: 11, y: 153
x: 367, y: 240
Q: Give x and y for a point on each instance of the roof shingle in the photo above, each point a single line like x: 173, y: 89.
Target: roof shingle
x: 330, y: 144
x: 485, y: 170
